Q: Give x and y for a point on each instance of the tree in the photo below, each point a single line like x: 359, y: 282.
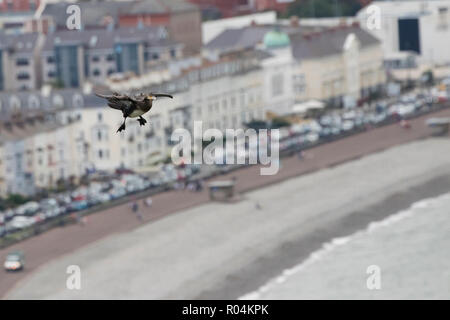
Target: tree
x: 323, y: 8
x: 16, y: 199
x: 279, y: 123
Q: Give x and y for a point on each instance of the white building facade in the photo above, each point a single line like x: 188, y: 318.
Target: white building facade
x: 419, y: 26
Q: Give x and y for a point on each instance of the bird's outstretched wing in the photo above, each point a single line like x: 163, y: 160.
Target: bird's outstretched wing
x: 117, y: 101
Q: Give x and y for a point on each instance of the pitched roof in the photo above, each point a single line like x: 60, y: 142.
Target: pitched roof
x: 23, y: 43
x: 242, y: 38
x: 328, y: 42
x: 248, y: 37
x: 22, y: 129
x: 34, y: 101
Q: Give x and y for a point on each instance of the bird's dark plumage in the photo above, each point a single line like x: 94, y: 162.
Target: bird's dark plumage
x: 132, y: 107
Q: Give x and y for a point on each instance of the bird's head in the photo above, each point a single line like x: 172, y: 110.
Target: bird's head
x: 150, y: 97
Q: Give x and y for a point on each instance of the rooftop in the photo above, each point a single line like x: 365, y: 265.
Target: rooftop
x: 19, y: 129
x: 276, y: 39
x: 98, y: 13
x: 23, y: 43
x: 328, y: 42
x: 250, y: 36
x: 106, y: 39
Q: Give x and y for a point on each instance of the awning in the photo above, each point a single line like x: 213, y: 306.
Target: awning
x: 308, y: 105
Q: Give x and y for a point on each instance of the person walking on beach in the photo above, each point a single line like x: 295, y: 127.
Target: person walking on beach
x: 135, y: 209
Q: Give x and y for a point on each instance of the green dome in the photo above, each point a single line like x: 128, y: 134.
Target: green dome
x: 276, y: 39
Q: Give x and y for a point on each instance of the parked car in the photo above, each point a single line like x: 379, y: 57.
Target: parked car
x: 14, y: 261
x: 21, y: 222
x: 28, y: 209
x: 347, y: 125
x: 78, y: 205
x: 39, y: 217
x: 103, y: 197
x: 117, y: 192
x: 9, y: 214
x: 51, y: 208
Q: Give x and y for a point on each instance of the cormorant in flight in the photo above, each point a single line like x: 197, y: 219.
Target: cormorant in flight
x: 132, y: 107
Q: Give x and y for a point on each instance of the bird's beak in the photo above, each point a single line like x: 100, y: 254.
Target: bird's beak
x: 150, y: 97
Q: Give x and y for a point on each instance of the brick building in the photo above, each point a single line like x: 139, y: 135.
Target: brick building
x: 16, y: 6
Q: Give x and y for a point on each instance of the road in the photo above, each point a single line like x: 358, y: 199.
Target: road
x: 60, y: 241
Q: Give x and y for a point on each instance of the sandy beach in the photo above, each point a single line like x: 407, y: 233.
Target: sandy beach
x: 53, y: 244
x: 228, y: 250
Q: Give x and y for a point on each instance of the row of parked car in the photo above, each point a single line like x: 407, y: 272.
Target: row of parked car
x: 331, y: 125
x: 338, y: 123
x: 87, y: 196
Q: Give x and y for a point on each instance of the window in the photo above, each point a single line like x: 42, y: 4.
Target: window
x: 277, y: 85
x: 99, y: 135
x: 99, y: 117
x: 110, y: 57
x: 95, y: 58
x: 233, y: 102
x: 155, y: 56
x: 23, y: 76
x: 173, y: 53
x: 96, y: 72
x: 111, y: 71
x: 100, y: 154
x: 299, y: 83
x: 51, y: 74
x: 50, y: 59
x: 242, y: 100
x: 22, y: 62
